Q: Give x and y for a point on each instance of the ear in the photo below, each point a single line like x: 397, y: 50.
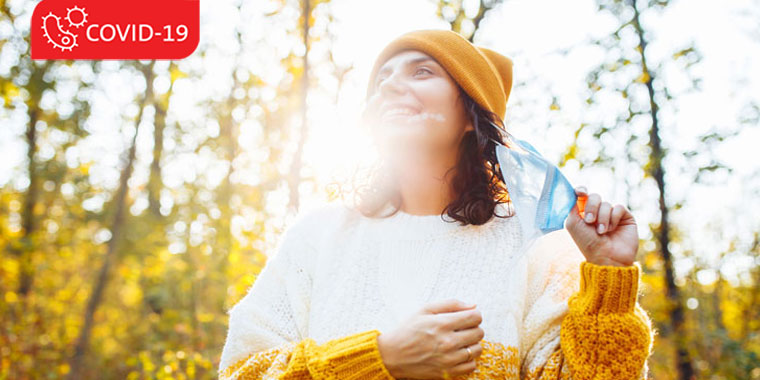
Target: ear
x: 469, y: 127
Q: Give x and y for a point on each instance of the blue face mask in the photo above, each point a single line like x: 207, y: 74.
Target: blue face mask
x: 542, y: 197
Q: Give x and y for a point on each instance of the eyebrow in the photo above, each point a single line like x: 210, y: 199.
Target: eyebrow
x: 410, y: 62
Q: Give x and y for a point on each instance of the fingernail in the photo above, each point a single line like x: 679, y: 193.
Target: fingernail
x: 589, y: 217
x: 600, y: 228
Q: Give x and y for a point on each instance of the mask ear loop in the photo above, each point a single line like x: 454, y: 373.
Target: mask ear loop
x: 504, y: 133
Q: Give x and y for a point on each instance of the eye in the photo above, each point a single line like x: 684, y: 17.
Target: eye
x: 424, y: 69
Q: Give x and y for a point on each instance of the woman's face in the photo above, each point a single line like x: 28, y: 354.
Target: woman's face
x: 415, y: 109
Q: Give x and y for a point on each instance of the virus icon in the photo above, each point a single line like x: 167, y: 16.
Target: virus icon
x: 56, y: 35
x: 79, y: 14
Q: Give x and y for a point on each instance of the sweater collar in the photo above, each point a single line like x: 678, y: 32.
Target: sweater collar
x: 405, y: 226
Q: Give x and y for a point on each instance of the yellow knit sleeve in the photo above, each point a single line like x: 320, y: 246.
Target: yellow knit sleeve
x: 354, y: 356
x: 606, y: 334
x: 581, y: 320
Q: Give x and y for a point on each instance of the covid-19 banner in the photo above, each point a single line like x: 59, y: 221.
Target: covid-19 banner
x: 103, y: 29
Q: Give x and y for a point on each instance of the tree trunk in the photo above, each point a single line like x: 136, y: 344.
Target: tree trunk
x: 684, y: 366
x: 159, y: 124
x: 25, y: 253
x: 99, y: 286
x: 26, y: 264
x: 295, y: 167
x: 154, y: 180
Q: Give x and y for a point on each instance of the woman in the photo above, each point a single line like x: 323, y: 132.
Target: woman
x: 389, y: 289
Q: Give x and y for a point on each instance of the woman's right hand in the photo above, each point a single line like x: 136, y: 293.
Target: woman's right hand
x: 431, y: 343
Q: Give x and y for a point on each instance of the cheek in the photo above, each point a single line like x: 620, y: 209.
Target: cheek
x: 447, y: 121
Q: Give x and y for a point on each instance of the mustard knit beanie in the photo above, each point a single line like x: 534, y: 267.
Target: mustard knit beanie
x: 482, y: 73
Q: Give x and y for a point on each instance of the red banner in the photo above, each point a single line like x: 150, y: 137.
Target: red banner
x: 102, y: 29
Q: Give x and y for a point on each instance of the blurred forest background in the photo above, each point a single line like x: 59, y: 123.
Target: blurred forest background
x: 139, y: 199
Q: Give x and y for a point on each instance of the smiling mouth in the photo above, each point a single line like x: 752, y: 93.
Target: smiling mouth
x: 411, y: 117
x: 402, y: 113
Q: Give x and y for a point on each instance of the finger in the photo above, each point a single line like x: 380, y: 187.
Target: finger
x: 461, y: 320
x: 462, y: 355
x: 446, y: 306
x: 461, y: 369
x: 575, y: 218
x: 592, y: 207
x: 477, y: 350
x: 581, y: 202
x: 617, y: 213
x: 469, y: 336
x: 581, y: 194
x: 572, y: 218
x: 603, y: 217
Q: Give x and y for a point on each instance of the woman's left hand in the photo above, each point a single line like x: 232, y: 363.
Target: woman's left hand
x: 608, y: 235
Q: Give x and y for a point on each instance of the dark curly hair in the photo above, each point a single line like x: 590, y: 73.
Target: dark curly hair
x: 477, y: 180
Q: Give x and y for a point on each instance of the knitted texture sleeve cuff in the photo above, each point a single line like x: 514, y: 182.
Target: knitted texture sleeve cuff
x: 607, y: 289
x: 606, y: 334
x: 355, y: 356
x: 352, y: 357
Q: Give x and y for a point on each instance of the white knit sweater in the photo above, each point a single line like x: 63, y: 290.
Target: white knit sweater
x: 337, y: 273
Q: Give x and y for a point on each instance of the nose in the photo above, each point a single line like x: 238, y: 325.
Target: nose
x: 390, y: 85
